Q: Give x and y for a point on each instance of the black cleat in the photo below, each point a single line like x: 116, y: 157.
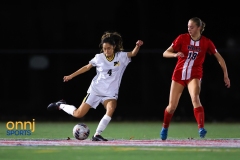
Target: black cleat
x: 55, y: 105
x: 98, y: 138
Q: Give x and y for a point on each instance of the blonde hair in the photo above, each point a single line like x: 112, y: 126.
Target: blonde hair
x: 199, y: 23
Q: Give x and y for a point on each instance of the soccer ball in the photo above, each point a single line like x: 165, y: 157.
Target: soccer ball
x: 81, y: 131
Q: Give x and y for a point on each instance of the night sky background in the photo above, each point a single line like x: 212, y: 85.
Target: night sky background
x: 65, y: 36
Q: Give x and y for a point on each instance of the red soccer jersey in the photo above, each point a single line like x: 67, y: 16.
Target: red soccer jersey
x: 190, y: 66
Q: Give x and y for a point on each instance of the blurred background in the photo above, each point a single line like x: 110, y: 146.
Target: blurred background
x: 43, y: 41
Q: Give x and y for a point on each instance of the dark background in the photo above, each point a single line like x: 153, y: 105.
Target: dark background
x: 43, y: 41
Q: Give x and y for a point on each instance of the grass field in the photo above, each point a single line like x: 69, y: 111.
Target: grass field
x: 127, y: 132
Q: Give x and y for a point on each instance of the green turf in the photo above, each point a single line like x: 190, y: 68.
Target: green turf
x: 117, y: 153
x: 127, y: 130
x: 123, y: 130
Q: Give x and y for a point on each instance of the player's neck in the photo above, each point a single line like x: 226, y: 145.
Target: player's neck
x: 196, y: 37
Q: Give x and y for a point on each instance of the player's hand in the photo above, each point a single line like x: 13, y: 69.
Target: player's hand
x: 227, y: 82
x: 179, y: 54
x: 139, y: 43
x: 66, y: 78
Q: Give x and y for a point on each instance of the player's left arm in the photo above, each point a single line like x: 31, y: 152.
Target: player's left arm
x: 134, y: 52
x: 223, y: 65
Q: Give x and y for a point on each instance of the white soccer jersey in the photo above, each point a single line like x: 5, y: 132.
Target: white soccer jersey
x: 109, y: 74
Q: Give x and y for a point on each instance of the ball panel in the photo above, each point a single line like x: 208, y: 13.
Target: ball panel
x: 81, y: 131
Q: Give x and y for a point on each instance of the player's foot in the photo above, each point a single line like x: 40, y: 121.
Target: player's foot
x: 202, y: 132
x: 98, y: 138
x: 55, y: 105
x: 163, y: 133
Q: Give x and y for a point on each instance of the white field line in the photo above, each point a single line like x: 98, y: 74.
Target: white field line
x: 234, y: 143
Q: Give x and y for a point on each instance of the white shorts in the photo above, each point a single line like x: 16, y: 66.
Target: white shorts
x: 94, y: 100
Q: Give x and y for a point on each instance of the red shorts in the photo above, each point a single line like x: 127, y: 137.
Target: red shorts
x: 184, y: 82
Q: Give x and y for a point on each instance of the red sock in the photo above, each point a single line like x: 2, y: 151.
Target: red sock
x: 199, y: 115
x: 167, y: 119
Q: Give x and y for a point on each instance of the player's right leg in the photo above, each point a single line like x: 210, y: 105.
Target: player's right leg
x: 61, y: 105
x: 175, y: 94
x: 70, y: 109
x: 90, y: 101
x: 55, y: 105
x: 82, y: 110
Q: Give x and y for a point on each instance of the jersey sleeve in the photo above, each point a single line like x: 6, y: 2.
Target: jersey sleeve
x: 94, y: 60
x: 176, y: 44
x: 125, y: 59
x: 211, y: 48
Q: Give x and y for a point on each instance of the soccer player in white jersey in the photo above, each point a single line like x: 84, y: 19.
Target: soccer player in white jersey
x: 190, y: 49
x: 110, y: 65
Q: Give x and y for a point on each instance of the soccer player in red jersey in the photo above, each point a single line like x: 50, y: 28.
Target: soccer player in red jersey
x: 190, y: 49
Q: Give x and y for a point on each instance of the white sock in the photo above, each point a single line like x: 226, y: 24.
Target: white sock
x: 102, y: 124
x: 68, y: 108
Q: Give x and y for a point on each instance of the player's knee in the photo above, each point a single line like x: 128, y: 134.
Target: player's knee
x: 195, y: 100
x: 77, y: 114
x: 111, y: 109
x: 171, y: 109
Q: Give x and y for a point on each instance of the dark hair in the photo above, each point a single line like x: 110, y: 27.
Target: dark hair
x: 199, y: 23
x: 113, y: 38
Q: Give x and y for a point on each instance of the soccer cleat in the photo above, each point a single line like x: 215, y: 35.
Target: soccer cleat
x: 55, y: 105
x: 98, y: 138
x: 163, y: 133
x: 202, y: 132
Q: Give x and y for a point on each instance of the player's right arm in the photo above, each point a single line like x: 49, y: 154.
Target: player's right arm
x: 80, y: 71
x: 169, y: 53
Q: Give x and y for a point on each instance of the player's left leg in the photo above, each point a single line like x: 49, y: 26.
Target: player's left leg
x: 110, y: 106
x: 194, y: 88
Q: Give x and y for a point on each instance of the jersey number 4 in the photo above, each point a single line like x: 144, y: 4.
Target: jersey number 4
x: 109, y: 72
x: 192, y: 55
